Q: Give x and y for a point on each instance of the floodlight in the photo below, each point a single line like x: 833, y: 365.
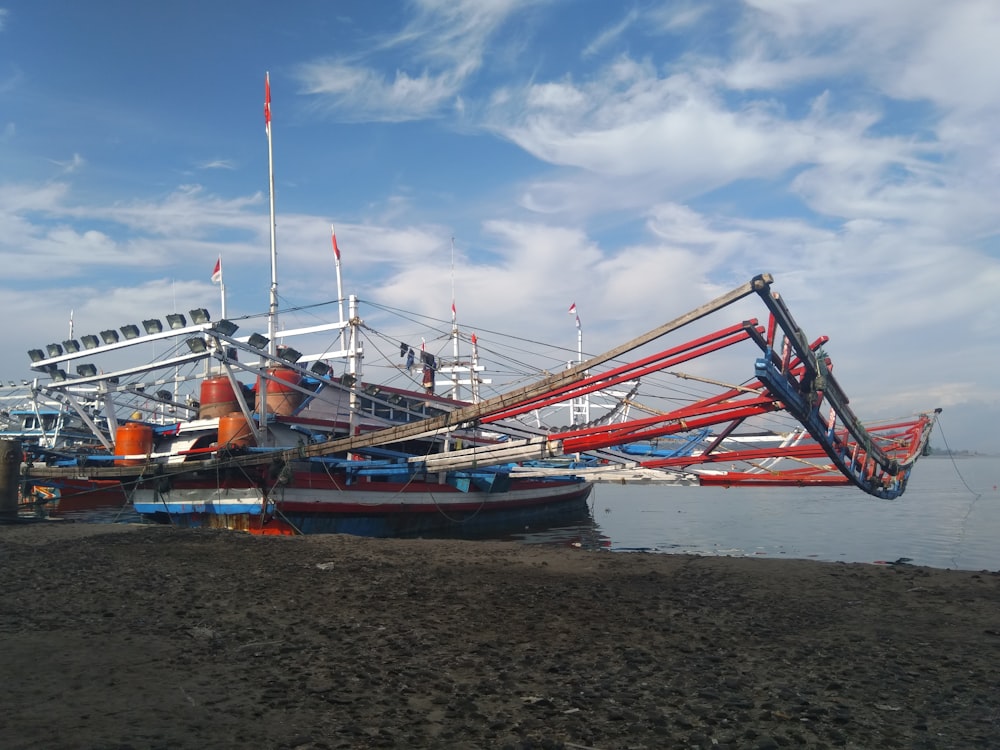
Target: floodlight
x: 86, y: 370
x: 12, y: 383
x: 54, y: 350
x: 90, y: 341
x: 289, y: 354
x: 131, y: 331
x: 37, y: 355
x: 164, y: 395
x: 197, y: 345
x: 58, y: 375
x: 347, y: 379
x: 176, y: 320
x: 152, y: 325
x: 225, y: 327
x: 258, y: 341
x: 199, y: 315
x: 321, y: 369
x: 72, y: 346
x: 110, y: 336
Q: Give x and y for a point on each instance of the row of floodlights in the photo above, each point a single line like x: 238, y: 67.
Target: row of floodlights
x: 258, y: 341
x: 131, y: 331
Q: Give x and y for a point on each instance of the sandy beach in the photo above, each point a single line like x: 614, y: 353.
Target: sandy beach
x: 150, y: 637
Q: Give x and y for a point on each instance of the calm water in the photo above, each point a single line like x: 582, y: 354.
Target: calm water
x: 939, y: 521
x: 949, y: 517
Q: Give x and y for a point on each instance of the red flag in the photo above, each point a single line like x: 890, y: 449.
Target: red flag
x: 336, y: 250
x: 217, y: 271
x: 454, y: 314
x: 572, y: 309
x: 267, y: 102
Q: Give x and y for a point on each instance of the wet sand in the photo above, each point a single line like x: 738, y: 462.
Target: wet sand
x: 150, y: 637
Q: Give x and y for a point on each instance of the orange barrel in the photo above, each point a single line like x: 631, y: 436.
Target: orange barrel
x: 234, y: 431
x: 131, y: 439
x: 282, y: 399
x: 217, y: 398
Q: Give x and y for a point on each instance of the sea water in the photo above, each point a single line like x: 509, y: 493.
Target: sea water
x: 949, y: 517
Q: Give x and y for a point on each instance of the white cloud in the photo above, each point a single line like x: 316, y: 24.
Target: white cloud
x: 443, y: 45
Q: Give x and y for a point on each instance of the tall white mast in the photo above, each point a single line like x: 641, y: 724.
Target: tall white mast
x: 272, y: 313
x: 340, y: 287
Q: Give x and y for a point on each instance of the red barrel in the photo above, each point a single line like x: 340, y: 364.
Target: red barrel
x: 217, y: 398
x: 133, y: 439
x: 234, y: 431
x: 282, y: 398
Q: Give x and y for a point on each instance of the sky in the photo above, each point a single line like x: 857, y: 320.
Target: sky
x: 636, y: 159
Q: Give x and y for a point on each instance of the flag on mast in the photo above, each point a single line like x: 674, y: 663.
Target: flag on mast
x: 454, y: 313
x: 217, y: 271
x: 572, y: 311
x: 267, y: 102
x: 336, y: 250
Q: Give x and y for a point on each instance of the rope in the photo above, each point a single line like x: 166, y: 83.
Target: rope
x: 976, y: 495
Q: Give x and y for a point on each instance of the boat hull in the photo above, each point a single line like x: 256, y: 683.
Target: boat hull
x: 373, y: 509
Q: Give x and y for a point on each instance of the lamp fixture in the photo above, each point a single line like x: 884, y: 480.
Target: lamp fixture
x: 90, y: 341
x: 289, y: 354
x: 321, y: 369
x: 197, y: 345
x: 131, y: 331
x: 225, y: 327
x: 199, y: 315
x: 164, y: 395
x: 86, y: 370
x: 110, y: 336
x: 72, y: 346
x: 36, y: 355
x: 59, y: 375
x: 176, y: 320
x: 54, y: 350
x: 152, y: 325
x: 258, y: 341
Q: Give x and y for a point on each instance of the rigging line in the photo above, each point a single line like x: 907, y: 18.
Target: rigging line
x: 414, y: 318
x: 955, y: 465
x: 975, y: 499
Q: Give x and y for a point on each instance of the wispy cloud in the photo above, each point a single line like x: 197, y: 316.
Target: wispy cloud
x: 72, y: 165
x: 445, y: 40
x: 610, y: 34
x: 218, y: 164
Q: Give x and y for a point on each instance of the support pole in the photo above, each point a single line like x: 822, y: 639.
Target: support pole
x: 10, y: 469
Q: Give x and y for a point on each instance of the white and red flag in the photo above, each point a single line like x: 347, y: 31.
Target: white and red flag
x: 336, y: 250
x: 572, y: 309
x: 267, y: 102
x: 217, y: 271
x: 454, y: 313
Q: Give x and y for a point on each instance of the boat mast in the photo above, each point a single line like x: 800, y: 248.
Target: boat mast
x: 272, y: 313
x: 455, y: 393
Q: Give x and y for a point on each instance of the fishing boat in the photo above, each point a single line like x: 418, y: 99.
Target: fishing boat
x: 302, y: 448
x: 246, y: 432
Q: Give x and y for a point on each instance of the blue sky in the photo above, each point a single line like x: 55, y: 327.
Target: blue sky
x: 637, y: 159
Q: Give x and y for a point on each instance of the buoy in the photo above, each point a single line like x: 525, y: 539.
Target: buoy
x: 217, y: 398
x: 133, y: 439
x: 282, y: 398
x: 234, y: 431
